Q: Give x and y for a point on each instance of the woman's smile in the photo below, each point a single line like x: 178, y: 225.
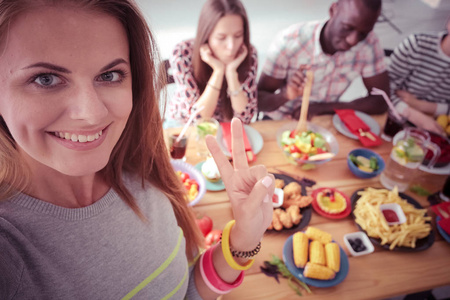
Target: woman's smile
x: 80, y: 142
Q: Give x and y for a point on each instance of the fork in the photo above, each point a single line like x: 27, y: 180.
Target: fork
x: 367, y: 134
x: 443, y: 213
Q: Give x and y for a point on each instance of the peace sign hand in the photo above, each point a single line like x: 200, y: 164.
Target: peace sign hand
x: 250, y: 190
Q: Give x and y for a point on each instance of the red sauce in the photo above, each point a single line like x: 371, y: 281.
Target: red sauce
x: 275, y: 198
x: 390, y: 215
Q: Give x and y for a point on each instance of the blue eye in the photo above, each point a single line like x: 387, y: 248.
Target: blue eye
x: 112, y: 76
x: 47, y: 80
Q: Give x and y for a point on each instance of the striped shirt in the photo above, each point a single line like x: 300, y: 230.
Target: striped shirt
x: 187, y: 91
x: 419, y: 66
x: 299, y: 45
x: 102, y: 251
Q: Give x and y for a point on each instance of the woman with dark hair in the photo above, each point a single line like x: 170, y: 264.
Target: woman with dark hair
x: 90, y: 206
x: 216, y: 70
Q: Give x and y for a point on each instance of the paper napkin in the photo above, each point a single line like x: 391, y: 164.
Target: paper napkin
x: 226, y: 131
x: 357, y: 126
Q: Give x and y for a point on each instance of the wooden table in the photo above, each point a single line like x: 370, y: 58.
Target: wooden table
x: 378, y: 275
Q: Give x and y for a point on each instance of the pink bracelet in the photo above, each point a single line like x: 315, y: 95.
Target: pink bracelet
x: 206, y: 280
x: 212, y: 279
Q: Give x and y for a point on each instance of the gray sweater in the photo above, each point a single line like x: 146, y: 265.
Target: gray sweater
x: 102, y: 251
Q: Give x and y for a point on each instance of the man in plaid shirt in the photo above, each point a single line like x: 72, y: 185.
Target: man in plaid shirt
x: 337, y: 51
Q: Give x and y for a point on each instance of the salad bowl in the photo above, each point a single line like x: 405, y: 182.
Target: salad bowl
x: 314, y: 147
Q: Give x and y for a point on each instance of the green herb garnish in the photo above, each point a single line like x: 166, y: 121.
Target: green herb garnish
x: 373, y: 163
x: 419, y: 190
x: 276, y: 266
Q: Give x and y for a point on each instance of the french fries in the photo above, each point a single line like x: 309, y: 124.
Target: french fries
x: 369, y: 216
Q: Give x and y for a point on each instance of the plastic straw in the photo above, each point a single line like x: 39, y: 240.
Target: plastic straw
x: 376, y: 91
x: 191, y: 118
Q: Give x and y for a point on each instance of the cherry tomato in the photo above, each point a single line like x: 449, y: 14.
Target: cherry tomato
x: 187, y: 183
x: 205, y: 224
x: 294, y: 149
x: 212, y: 238
x: 293, y: 134
x: 184, y: 176
x: 320, y: 150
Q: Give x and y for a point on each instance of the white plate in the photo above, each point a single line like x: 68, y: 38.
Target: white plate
x: 340, y: 126
x: 254, y: 137
x: 438, y: 171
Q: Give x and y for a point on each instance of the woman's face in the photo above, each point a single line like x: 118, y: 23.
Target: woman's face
x: 65, y: 84
x: 227, y: 38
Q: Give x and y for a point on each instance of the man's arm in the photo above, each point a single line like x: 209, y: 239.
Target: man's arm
x: 267, y: 99
x: 375, y: 104
x: 370, y: 104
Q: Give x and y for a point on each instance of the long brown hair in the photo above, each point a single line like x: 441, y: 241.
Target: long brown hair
x: 212, y: 11
x: 141, y: 149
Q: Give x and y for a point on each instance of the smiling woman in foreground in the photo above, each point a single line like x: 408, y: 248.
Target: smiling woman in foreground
x: 90, y: 207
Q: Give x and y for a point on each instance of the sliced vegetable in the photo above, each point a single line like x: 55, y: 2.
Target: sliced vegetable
x: 419, y: 190
x: 190, y: 184
x: 365, y: 164
x: 374, y: 163
x: 213, y: 237
x: 309, y: 143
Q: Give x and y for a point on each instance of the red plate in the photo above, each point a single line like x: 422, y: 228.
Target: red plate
x: 318, y: 210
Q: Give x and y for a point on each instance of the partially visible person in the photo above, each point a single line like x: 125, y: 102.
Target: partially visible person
x: 90, y: 205
x: 216, y: 70
x: 337, y: 50
x: 419, y: 74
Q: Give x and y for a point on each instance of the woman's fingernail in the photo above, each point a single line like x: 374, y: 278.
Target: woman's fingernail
x: 267, y: 181
x: 266, y: 199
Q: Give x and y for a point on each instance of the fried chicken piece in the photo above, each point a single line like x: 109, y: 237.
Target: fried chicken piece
x: 305, y: 201
x: 285, y: 219
x: 294, y: 212
x: 276, y: 223
x: 291, y: 190
x: 298, y: 200
x: 279, y: 183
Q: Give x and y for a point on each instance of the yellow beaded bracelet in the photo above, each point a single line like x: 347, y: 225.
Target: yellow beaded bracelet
x: 227, y: 252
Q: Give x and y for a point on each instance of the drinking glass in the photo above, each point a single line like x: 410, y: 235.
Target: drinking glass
x: 410, y: 146
x: 392, y: 126
x: 178, y: 148
x: 203, y: 127
x: 445, y: 193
